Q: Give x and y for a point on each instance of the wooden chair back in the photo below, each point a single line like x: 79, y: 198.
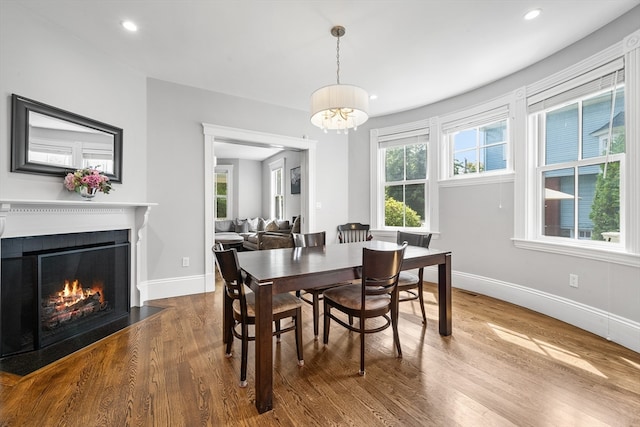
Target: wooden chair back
x: 380, y: 271
x: 354, y: 232
x: 309, y: 239
x: 231, y: 273
x: 414, y: 239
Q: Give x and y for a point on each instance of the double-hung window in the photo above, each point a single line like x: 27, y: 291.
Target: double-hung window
x: 581, y: 142
x: 576, y: 190
x: 401, y: 174
x: 277, y: 189
x: 222, y: 188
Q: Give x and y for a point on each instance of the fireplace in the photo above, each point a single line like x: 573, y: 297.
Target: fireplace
x: 54, y: 287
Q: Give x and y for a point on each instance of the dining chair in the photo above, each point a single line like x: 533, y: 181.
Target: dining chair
x: 353, y: 232
x: 285, y: 305
x: 311, y: 240
x: 409, y: 284
x: 375, y: 296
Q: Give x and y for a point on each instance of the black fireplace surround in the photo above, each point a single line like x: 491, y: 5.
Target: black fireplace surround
x: 55, y: 287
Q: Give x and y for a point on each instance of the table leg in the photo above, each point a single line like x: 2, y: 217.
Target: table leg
x: 264, y: 348
x: 444, y: 296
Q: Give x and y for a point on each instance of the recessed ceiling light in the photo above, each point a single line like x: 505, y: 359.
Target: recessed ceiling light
x: 130, y: 25
x: 532, y: 14
x: 373, y: 97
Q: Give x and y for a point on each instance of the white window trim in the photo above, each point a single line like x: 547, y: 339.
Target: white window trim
x: 526, y: 181
x: 491, y: 111
x: 422, y: 127
x: 229, y: 170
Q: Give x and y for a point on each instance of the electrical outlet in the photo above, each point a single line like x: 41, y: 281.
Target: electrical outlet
x: 573, y: 280
x: 185, y: 261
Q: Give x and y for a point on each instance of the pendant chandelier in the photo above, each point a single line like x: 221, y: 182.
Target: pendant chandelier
x: 340, y: 107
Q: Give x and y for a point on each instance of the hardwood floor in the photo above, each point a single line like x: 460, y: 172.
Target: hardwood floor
x: 503, y: 365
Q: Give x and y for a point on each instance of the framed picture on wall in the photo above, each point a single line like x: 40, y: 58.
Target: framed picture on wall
x: 295, y: 180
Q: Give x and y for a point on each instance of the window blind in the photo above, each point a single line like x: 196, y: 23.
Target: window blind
x: 593, y: 81
x: 419, y: 136
x: 476, y: 120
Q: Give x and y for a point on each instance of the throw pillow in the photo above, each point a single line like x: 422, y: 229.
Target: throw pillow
x: 253, y: 224
x: 283, y: 224
x: 271, y: 226
x: 241, y: 226
x: 261, y: 224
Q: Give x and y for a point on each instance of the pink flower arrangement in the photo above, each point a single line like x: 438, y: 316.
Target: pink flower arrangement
x: 89, y: 178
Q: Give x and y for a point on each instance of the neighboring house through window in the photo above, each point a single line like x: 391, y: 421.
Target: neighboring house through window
x: 580, y: 139
x: 476, y: 141
x: 576, y: 192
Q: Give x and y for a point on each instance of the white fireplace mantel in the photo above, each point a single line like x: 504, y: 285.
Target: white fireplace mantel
x: 19, y: 218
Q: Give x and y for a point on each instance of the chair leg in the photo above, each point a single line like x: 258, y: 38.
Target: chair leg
x: 325, y: 331
x: 245, y: 353
x: 278, y: 338
x: 229, y: 341
x: 316, y: 315
x: 298, y: 320
x: 394, y: 325
x: 362, y: 334
x: 421, y: 299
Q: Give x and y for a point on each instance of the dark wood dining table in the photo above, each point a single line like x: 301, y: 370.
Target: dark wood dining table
x: 276, y: 271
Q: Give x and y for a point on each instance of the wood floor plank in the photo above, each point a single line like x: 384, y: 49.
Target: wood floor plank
x: 503, y: 366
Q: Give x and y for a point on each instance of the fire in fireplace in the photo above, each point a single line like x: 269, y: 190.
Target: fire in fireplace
x: 59, y: 286
x: 71, y: 303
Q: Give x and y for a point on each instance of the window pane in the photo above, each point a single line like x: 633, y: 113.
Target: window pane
x: 416, y: 161
x: 494, y: 157
x: 415, y: 205
x: 465, y: 162
x: 596, y: 113
x: 221, y: 183
x: 404, y: 205
x: 599, y: 203
x: 559, y: 192
x: 221, y: 208
x: 394, y: 164
x: 465, y: 139
x: 493, y: 133
x: 562, y: 135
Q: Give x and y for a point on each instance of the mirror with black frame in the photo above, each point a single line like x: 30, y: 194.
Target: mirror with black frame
x: 51, y: 141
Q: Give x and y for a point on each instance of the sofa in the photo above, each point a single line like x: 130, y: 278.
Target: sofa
x: 257, y: 233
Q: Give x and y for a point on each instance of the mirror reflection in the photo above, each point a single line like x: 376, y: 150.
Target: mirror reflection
x: 50, y: 141
x: 57, y: 142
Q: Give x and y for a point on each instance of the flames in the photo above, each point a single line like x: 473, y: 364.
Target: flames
x: 73, y: 293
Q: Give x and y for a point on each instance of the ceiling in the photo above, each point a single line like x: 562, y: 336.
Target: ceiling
x: 407, y: 52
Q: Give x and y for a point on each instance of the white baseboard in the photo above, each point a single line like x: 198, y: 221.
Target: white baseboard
x: 609, y: 326
x: 176, y: 286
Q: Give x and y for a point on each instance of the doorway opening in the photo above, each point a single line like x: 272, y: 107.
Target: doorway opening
x: 307, y: 149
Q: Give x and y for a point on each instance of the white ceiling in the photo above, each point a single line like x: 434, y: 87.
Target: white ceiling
x: 407, y: 52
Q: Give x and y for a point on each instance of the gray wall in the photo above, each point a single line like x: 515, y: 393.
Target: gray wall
x: 40, y: 62
x: 474, y: 226
x: 176, y: 167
